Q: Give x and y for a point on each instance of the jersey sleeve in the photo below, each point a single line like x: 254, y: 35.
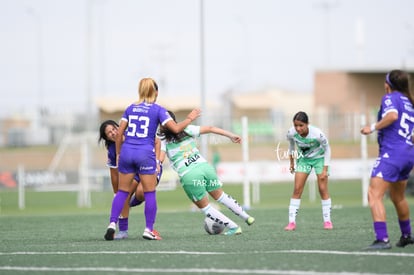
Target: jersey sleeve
x: 388, y: 104
x: 290, y: 139
x: 323, y: 140
x: 111, y: 161
x: 125, y: 114
x: 193, y: 130
x: 164, y: 116
x: 163, y: 146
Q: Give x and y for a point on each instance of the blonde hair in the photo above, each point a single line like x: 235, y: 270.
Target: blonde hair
x: 147, y: 90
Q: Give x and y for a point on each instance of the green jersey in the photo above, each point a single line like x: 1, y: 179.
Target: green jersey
x: 184, y: 155
x: 314, y: 145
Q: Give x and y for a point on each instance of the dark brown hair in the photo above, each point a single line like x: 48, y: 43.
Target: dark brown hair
x: 400, y: 81
x: 301, y: 116
x: 102, y: 134
x: 166, y: 134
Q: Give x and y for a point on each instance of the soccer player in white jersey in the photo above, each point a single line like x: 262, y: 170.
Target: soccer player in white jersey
x: 198, y: 178
x: 313, y: 152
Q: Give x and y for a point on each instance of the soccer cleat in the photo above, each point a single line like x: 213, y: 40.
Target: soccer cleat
x: 328, y: 225
x: 151, y: 235
x: 121, y: 235
x: 250, y: 220
x: 110, y: 232
x: 291, y: 226
x: 156, y: 233
x: 233, y: 231
x: 404, y: 240
x: 379, y: 244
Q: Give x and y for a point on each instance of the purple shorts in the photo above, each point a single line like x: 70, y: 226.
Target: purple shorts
x: 133, y: 160
x: 392, y: 170
x: 159, y: 174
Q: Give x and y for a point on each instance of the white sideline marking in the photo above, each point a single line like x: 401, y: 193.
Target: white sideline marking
x: 359, y: 253
x: 193, y: 270
x: 111, y: 252
x: 182, y: 270
x: 356, y: 253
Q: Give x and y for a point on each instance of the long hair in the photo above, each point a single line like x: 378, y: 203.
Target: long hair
x: 147, y: 90
x: 169, y: 136
x: 400, y: 81
x: 102, y: 134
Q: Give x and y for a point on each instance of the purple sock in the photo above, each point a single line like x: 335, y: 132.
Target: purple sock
x: 117, y: 205
x: 405, y: 227
x: 150, y: 209
x: 380, y: 229
x: 123, y: 224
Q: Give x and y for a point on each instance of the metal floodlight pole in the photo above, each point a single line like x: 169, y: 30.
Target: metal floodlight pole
x: 204, y: 144
x: 88, y: 61
x: 83, y: 192
x: 40, y: 70
x: 327, y: 6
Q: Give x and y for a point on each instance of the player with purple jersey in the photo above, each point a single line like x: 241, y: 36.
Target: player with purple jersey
x: 107, y: 133
x: 136, y: 154
x: 396, y: 158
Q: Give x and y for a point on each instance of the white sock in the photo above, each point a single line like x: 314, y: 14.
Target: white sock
x: 210, y: 211
x: 326, y: 210
x: 233, y: 205
x: 293, y: 209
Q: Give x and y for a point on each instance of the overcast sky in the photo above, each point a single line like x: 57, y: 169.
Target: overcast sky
x: 54, y: 53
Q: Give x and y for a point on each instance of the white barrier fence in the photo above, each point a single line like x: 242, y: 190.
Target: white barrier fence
x: 260, y: 172
x: 277, y: 171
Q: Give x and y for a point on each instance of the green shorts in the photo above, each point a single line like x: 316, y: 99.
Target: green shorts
x: 304, y: 165
x: 200, y: 180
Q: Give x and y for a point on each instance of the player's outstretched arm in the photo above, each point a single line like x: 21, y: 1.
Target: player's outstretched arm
x: 215, y: 130
x: 180, y: 126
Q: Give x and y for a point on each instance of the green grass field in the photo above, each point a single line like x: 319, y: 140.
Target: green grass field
x: 51, y: 235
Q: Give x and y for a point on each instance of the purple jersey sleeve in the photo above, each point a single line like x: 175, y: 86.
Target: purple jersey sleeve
x: 111, y: 162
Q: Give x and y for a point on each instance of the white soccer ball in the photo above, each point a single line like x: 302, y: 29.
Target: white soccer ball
x: 213, y: 227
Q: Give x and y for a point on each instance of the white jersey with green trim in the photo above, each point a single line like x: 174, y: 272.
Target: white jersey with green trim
x: 184, y: 155
x: 314, y: 145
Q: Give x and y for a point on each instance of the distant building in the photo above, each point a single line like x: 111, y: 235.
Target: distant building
x: 269, y: 111
x: 13, y: 131
x: 21, y: 131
